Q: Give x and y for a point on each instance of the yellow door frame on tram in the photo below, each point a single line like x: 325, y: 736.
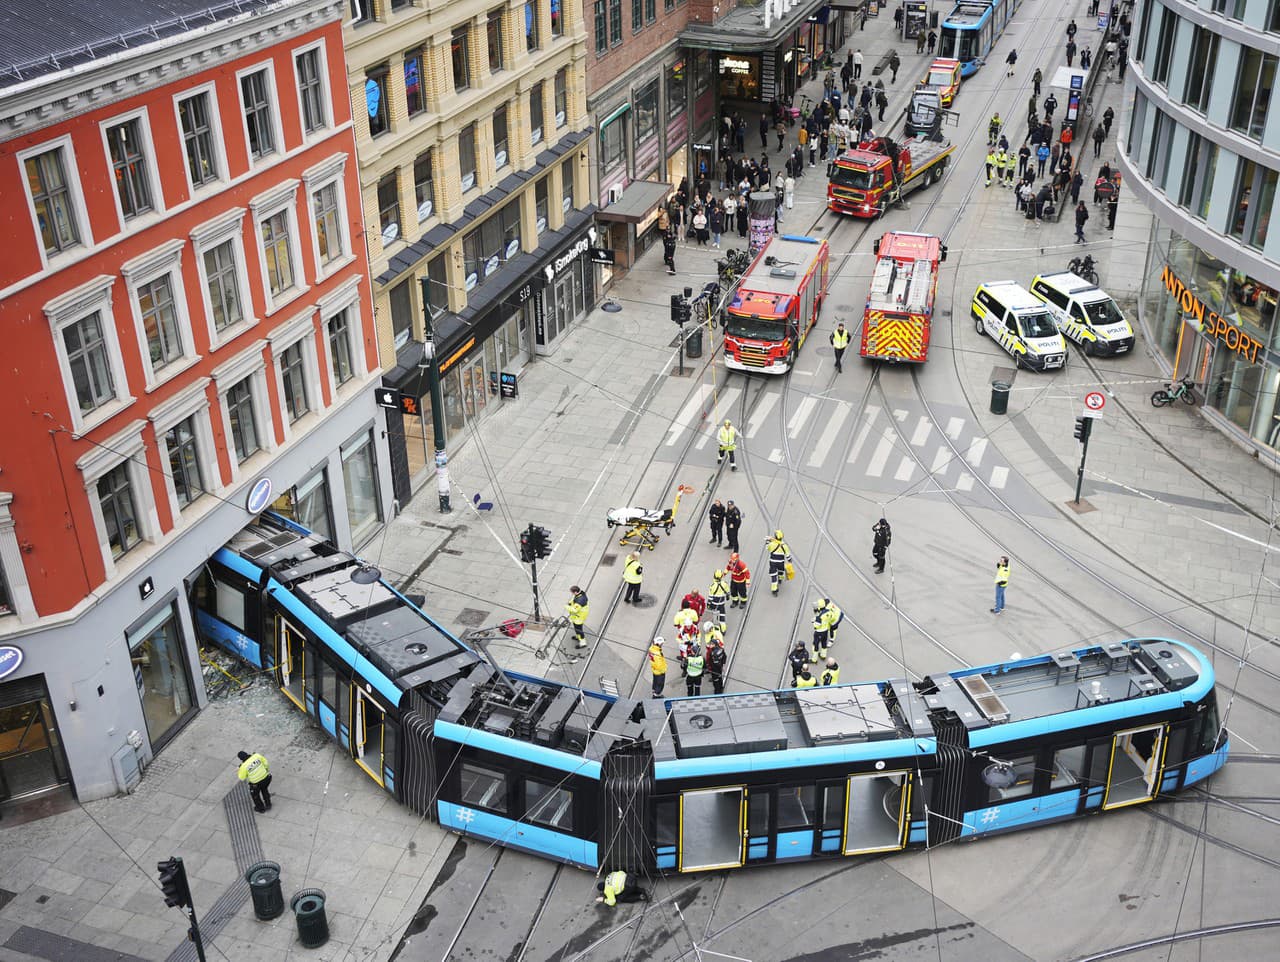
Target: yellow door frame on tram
x: 360, y: 732
x: 742, y: 828
x: 904, y: 806
x: 1153, y: 768
x: 284, y: 659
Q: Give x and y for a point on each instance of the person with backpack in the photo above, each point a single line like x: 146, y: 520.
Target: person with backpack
x: 882, y: 534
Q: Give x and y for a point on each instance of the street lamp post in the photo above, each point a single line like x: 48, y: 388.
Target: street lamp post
x: 432, y: 364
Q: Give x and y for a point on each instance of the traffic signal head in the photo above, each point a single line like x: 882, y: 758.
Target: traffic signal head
x: 540, y: 538
x: 526, y: 547
x: 1083, y: 427
x: 677, y: 308
x: 173, y: 882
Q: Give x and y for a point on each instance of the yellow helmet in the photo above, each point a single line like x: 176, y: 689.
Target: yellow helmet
x: 719, y: 574
x: 728, y: 423
x: 778, y: 534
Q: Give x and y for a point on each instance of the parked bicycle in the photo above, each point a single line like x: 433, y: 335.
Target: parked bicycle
x: 1083, y: 267
x: 1171, y: 392
x: 732, y: 266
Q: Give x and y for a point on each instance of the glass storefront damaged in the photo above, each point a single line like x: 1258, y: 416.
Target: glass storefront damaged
x: 160, y: 672
x: 1217, y: 326
x: 31, y: 756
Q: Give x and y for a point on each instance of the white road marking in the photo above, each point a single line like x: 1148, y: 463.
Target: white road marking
x: 868, y: 418
x: 761, y: 413
x: 830, y: 433
x: 776, y: 455
x: 900, y: 414
x: 905, y: 469
x: 723, y: 406
x: 921, y: 433
x: 954, y: 427
x: 802, y: 414
x: 941, y: 458
x: 965, y: 483
x: 999, y: 476
x: 691, y: 410
x: 881, y: 454
x: 977, y: 450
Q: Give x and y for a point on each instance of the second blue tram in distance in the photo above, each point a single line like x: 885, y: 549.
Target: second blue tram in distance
x: 972, y: 29
x: 704, y: 783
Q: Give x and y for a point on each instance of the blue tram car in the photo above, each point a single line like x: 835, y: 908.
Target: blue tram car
x: 972, y: 29
x: 704, y: 783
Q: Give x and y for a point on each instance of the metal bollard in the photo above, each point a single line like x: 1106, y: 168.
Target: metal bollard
x: 264, y: 887
x: 313, y: 925
x: 1000, y: 397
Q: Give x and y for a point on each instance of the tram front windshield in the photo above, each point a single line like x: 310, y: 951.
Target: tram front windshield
x: 760, y: 328
x: 947, y: 43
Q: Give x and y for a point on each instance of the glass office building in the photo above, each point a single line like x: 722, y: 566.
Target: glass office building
x: 1201, y: 149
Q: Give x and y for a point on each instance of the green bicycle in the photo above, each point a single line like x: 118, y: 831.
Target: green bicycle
x: 1170, y: 393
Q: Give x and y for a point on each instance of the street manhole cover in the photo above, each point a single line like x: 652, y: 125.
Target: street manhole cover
x: 824, y: 351
x: 472, y: 617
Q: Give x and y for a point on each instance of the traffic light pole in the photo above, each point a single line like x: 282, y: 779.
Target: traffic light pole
x: 437, y: 400
x: 1084, y: 429
x: 533, y: 570
x: 195, y: 932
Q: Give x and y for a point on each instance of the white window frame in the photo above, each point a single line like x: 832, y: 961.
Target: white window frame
x: 301, y: 328
x: 153, y: 170
x: 345, y: 298
x: 191, y: 402
x: 164, y: 260
x: 71, y: 171
x: 127, y: 447
x: 228, y: 226
x: 314, y: 179
x: 12, y: 568
x: 277, y: 130
x: 282, y: 197
x: 249, y: 363
x: 74, y: 306
x: 216, y: 138
x: 326, y: 93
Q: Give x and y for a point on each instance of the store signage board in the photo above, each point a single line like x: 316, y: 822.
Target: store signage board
x: 10, y: 660
x: 259, y: 496
x: 1210, y: 322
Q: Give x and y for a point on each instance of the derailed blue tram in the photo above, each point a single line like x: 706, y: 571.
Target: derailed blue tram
x: 715, y: 782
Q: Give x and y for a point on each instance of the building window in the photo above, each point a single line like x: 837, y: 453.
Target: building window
x: 532, y: 38
x: 437, y: 287
x: 637, y: 15
x: 277, y: 253
x: 129, y: 166
x: 375, y: 96
x: 360, y: 478
x: 650, y: 11
x: 613, y: 144
x: 86, y: 347
x: 1186, y: 190
x: 493, y: 34
x: 557, y: 20
x: 1273, y: 16
x: 197, y: 139
x: 160, y: 322
x: 535, y: 113
x: 6, y: 596
x: 615, y: 22
x: 389, y: 207
x: 159, y: 672
x: 223, y: 284
x: 668, y: 5
x: 424, y: 185
x: 647, y: 112
x: 677, y: 96
x: 414, y: 101
x: 401, y: 298
x: 339, y: 330
x: 258, y: 117
x: 461, y: 59
x: 293, y: 378
x: 1164, y: 46
x: 562, y: 97
x: 1265, y: 198
x: 602, y: 26
x: 1254, y: 82
x: 473, y: 259
x: 500, y: 137
x: 566, y: 187
x: 361, y: 11
x: 400, y: 4
x: 184, y: 461
x: 1204, y: 61
x: 1210, y: 168
x: 311, y: 90
x: 115, y: 496
x: 244, y: 430
x: 51, y: 197
x: 509, y: 218
x: 701, y: 73
x: 327, y: 217
x: 467, y: 156
x: 541, y: 191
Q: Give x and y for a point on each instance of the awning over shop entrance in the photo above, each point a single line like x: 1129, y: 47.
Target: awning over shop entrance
x: 638, y: 201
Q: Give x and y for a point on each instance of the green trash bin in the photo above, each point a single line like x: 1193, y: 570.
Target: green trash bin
x: 264, y: 887
x: 308, y: 910
x: 1000, y: 397
x: 693, y: 343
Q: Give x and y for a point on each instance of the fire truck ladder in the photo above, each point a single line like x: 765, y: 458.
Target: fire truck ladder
x: 917, y: 298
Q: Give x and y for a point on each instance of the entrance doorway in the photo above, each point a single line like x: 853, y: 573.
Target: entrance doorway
x: 1137, y: 761
x: 291, y: 661
x: 369, y: 745
x: 876, y: 812
x: 713, y: 829
x: 31, y: 756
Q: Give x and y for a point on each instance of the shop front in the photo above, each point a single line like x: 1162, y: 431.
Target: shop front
x: 32, y: 761
x: 1217, y: 326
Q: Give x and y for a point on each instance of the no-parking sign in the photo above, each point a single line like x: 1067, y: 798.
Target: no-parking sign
x: 1094, y: 402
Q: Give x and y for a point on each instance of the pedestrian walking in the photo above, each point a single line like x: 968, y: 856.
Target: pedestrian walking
x: 255, y: 770
x: 727, y: 438
x: 578, y: 610
x: 1099, y: 135
x: 764, y: 131
x: 718, y: 596
x: 839, y: 340
x: 894, y: 64
x: 1077, y: 181
x: 1082, y: 215
x: 1071, y: 52
x: 857, y: 64
x: 919, y: 40
x: 898, y: 14
x: 1112, y: 204
x: 933, y: 40
x: 1071, y: 29
x: 717, y: 661
x: 1002, y: 582
x: 669, y: 249
x: 739, y: 581
x: 1108, y: 116
x: 732, y: 524
x: 779, y: 560
x: 1086, y: 58
x: 1123, y: 54
x: 658, y: 665
x: 715, y: 517
x: 789, y: 191
x: 1054, y: 153
x: 1024, y: 158
x: 1050, y: 105
x: 1036, y: 79
x: 781, y: 131
x: 882, y: 102
x: 882, y: 535
x: 632, y: 575
x: 1010, y: 62
x: 617, y: 887
x: 1042, y: 157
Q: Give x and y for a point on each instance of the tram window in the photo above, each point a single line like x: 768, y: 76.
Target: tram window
x: 484, y: 788
x: 548, y: 805
x: 1068, y: 767
x: 758, y: 812
x: 1176, y: 747
x: 1208, y: 726
x: 222, y: 599
x: 1024, y: 770
x: 328, y: 686
x: 1099, y: 762
x: 832, y: 806
x: 665, y: 818
x: 389, y: 732
x: 796, y: 806
x: 922, y: 796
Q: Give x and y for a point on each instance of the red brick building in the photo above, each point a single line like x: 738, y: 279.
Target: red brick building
x: 188, y: 337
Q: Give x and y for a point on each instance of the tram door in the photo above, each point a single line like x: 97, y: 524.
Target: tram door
x: 291, y: 661
x: 713, y: 829
x: 368, y: 731
x: 876, y: 808
x: 1137, y: 762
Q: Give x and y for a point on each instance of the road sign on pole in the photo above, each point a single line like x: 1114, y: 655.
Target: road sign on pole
x: 1094, y: 402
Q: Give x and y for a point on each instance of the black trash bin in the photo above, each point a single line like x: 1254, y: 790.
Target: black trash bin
x: 693, y: 343
x: 1000, y: 397
x: 308, y: 909
x: 264, y: 886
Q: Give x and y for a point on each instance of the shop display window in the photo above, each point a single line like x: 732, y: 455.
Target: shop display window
x: 159, y: 671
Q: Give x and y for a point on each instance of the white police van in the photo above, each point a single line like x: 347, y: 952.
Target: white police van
x: 1085, y: 313
x: 1020, y: 323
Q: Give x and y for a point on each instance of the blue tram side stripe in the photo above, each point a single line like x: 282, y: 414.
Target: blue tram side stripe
x: 516, y: 834
x: 514, y: 748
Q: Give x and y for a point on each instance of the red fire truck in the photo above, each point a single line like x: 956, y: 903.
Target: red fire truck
x: 776, y: 304
x: 895, y: 325
x: 866, y: 180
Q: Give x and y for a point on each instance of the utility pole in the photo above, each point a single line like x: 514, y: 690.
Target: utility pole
x: 535, y: 543
x: 432, y: 363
